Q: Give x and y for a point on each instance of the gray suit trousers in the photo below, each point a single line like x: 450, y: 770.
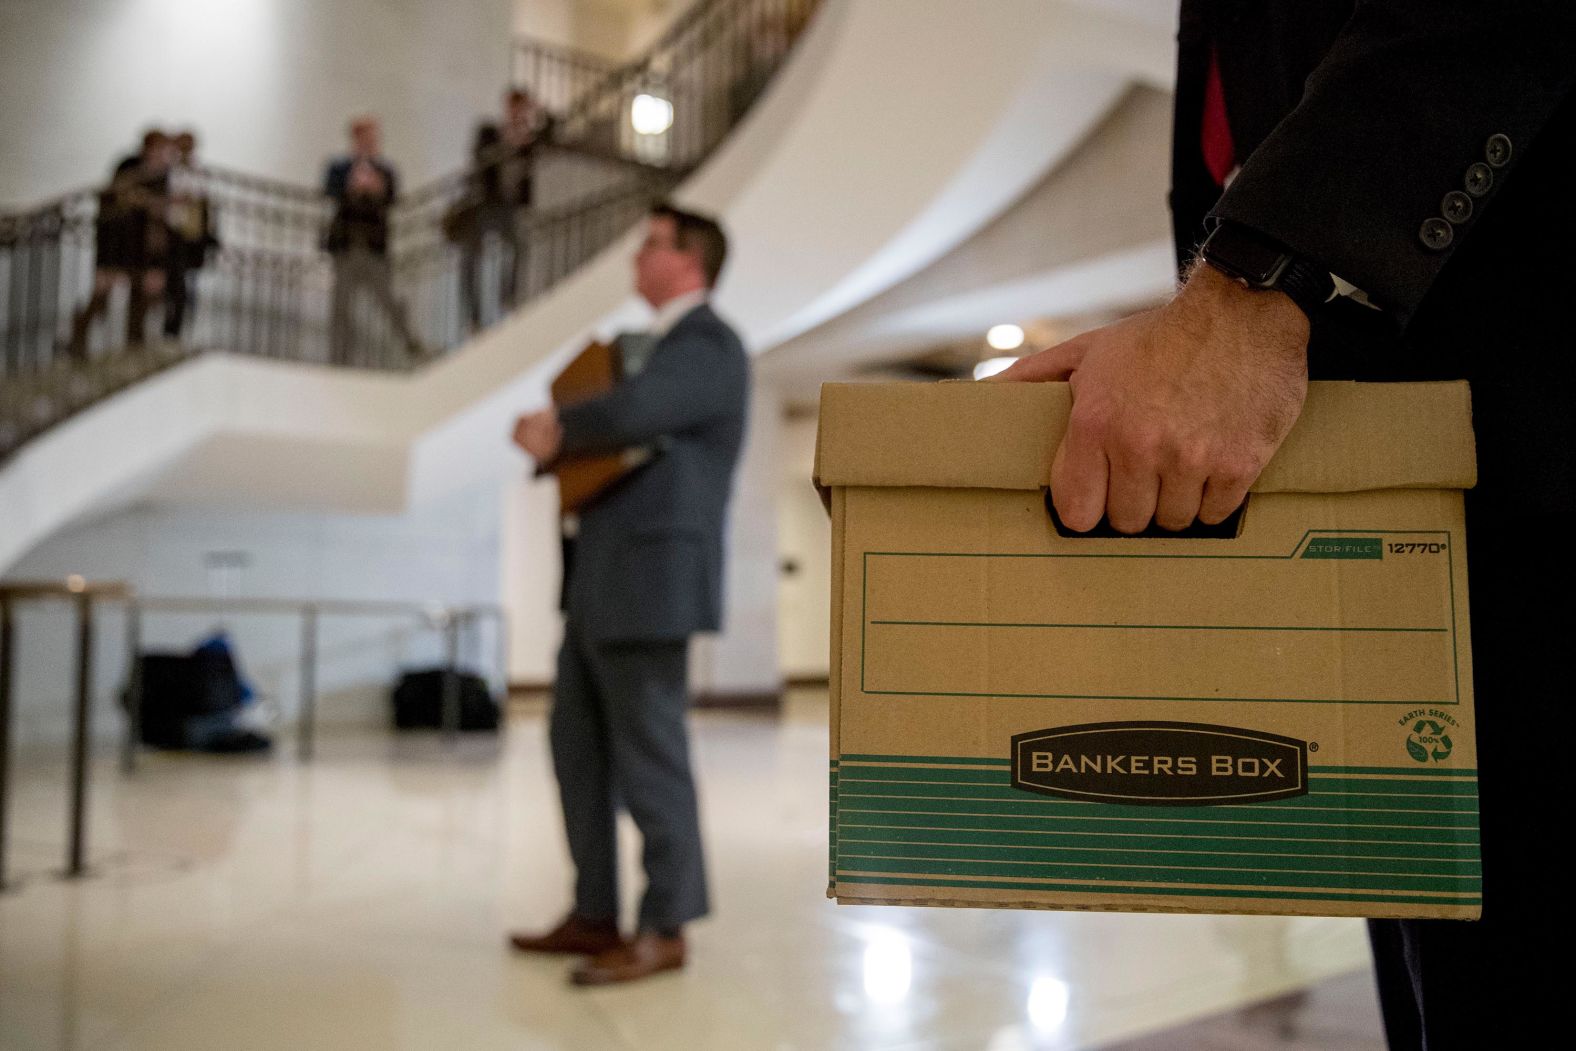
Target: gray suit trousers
x: 619, y: 737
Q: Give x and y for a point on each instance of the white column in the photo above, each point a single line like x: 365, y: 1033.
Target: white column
x: 532, y: 569
x: 805, y: 540
x: 743, y: 657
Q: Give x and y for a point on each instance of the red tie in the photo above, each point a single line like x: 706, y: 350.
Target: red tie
x: 1220, y: 155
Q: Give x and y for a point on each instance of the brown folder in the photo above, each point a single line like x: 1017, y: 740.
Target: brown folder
x: 581, y: 479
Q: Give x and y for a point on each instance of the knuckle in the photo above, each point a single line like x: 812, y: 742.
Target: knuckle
x: 1193, y: 458
x: 1238, y: 472
x: 1088, y: 421
x: 1142, y: 444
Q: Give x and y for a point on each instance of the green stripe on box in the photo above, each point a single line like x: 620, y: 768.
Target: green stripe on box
x: 1317, y: 785
x: 1394, y: 830
x: 1396, y: 771
x: 1196, y: 892
x: 1211, y: 821
x: 1094, y: 872
x: 852, y: 832
x: 907, y: 794
x: 853, y: 788
x: 1192, y: 828
x: 1255, y: 814
x: 831, y: 839
x: 1141, y: 859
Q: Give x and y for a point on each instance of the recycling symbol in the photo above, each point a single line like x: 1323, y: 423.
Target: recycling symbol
x: 1428, y: 740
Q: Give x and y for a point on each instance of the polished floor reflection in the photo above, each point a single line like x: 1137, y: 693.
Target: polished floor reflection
x: 360, y: 902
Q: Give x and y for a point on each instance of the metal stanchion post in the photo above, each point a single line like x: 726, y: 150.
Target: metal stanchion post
x: 501, y: 626
x: 75, y: 861
x: 133, y: 741
x: 7, y: 655
x: 308, y: 681
x: 451, y: 677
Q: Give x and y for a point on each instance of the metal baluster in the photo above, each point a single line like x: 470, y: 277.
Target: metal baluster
x: 308, y: 717
x: 76, y: 858
x: 451, y: 676
x: 133, y: 740
x: 7, y: 663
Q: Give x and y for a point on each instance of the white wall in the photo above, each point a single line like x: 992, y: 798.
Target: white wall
x: 743, y: 658
x: 446, y: 552
x: 1093, y: 235
x: 268, y: 84
x: 532, y: 573
x: 804, y: 538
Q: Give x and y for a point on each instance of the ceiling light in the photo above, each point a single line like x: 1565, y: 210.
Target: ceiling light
x: 651, y: 114
x: 1004, y: 337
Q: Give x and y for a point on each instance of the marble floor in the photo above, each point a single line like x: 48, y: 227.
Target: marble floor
x: 361, y: 901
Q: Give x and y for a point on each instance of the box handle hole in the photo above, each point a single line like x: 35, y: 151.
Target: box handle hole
x: 1229, y: 529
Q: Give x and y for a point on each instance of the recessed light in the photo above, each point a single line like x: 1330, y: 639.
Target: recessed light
x: 1004, y: 337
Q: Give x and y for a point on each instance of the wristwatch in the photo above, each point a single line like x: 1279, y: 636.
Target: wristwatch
x: 1260, y: 263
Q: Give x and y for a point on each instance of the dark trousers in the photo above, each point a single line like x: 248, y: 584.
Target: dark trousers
x: 360, y: 272
x: 179, y: 297
x: 137, y: 307
x: 180, y: 285
x: 502, y: 221
x: 1492, y: 983
x: 619, y: 738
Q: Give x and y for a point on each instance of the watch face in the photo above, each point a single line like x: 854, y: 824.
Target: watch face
x: 1256, y: 262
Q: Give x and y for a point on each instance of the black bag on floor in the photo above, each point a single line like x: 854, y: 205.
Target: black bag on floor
x: 418, y: 701
x: 189, y: 700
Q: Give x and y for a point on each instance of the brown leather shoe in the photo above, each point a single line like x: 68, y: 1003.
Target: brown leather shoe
x: 647, y: 955
x: 574, y: 936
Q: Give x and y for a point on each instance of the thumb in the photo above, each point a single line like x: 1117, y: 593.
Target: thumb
x: 1053, y: 363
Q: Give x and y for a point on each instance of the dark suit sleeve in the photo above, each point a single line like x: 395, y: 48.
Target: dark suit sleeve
x: 1404, y: 102
x: 688, y: 382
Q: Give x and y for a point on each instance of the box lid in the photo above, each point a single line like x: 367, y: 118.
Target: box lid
x: 1351, y: 437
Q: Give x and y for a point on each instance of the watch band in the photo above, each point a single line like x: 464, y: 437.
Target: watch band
x: 1307, y: 285
x: 1263, y: 264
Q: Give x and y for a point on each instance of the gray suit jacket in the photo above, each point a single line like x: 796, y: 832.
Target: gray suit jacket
x: 648, y: 561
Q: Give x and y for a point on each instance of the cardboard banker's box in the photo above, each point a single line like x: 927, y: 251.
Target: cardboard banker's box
x: 1277, y: 721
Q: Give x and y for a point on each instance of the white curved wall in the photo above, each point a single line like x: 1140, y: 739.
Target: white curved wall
x: 1093, y: 235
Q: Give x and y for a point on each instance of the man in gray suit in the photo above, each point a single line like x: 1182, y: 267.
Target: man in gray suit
x: 647, y: 574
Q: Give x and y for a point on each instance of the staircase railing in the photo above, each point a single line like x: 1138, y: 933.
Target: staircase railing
x: 557, y: 76
x: 702, y: 75
x: 267, y: 290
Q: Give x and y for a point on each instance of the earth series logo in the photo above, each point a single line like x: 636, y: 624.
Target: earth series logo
x: 1429, y: 735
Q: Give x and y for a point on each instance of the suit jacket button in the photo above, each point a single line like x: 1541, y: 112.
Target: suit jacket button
x: 1436, y: 234
x: 1479, y: 178
x: 1497, y: 150
x: 1457, y: 206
